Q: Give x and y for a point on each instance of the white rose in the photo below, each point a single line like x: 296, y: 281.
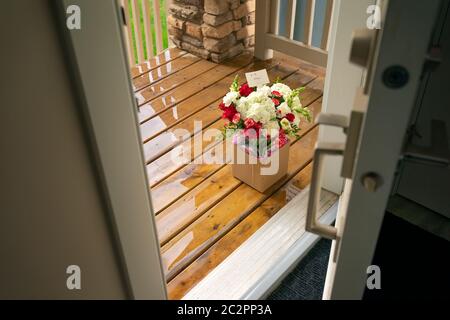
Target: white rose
x: 283, y: 109
x: 230, y: 97
x: 281, y: 88
x: 264, y: 90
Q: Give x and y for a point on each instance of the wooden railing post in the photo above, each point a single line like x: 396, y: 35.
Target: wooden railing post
x: 290, y: 18
x: 309, y: 21
x: 327, y: 25
x: 262, y: 27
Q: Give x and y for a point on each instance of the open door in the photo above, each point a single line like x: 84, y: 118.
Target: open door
x: 393, y: 57
x: 101, y: 77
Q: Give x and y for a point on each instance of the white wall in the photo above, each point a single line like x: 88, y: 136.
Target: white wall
x: 52, y: 213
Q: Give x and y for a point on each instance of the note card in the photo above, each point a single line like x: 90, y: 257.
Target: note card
x: 257, y: 78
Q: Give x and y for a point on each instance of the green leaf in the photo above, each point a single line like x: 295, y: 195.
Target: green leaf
x: 235, y: 84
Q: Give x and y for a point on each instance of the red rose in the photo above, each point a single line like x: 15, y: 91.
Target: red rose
x: 236, y: 118
x: 229, y: 113
x: 249, y: 123
x: 222, y: 106
x: 252, y: 127
x: 282, y: 139
x: 245, y: 90
x: 276, y: 101
x: 290, y: 117
x: 276, y: 94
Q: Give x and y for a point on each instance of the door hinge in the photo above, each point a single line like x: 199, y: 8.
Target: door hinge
x: 433, y: 59
x: 124, y: 18
x: 438, y: 154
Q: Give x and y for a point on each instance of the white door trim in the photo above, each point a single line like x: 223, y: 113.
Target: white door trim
x: 99, y: 61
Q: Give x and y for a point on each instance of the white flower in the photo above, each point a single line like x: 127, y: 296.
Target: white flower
x: 230, y: 97
x: 257, y: 96
x: 296, y: 104
x: 285, y: 124
x: 262, y: 112
x: 283, y: 110
x: 242, y: 106
x: 257, y: 106
x: 265, y: 90
x: 281, y: 88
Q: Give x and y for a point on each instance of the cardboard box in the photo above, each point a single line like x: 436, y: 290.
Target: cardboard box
x: 260, y: 174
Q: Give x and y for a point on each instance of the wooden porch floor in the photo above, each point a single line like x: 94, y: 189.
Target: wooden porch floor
x: 203, y: 213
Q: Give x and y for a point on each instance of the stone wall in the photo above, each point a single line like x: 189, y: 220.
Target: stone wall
x: 212, y: 29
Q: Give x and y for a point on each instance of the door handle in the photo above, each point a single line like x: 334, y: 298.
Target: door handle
x: 321, y: 149
x: 312, y: 224
x: 351, y: 127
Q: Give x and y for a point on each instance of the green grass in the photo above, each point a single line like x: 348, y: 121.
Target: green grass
x: 142, y: 28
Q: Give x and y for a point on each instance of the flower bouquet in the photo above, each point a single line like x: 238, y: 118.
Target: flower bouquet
x: 260, y: 121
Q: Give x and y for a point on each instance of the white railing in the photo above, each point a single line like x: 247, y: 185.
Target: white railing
x: 145, y: 31
x: 267, y: 37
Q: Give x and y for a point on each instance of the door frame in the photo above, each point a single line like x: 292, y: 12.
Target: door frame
x: 99, y: 63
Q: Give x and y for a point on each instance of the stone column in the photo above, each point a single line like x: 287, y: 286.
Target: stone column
x: 212, y: 29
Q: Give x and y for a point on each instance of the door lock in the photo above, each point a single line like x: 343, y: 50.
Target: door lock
x: 371, y: 181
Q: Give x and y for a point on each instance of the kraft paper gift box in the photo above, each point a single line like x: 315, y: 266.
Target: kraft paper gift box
x: 250, y: 169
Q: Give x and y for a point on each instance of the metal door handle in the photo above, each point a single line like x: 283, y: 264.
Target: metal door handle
x: 322, y: 149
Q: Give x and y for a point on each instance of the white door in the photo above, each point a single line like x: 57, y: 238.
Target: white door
x: 393, y: 58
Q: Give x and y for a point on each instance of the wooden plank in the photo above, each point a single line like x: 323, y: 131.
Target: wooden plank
x: 173, y: 81
x: 137, y: 31
x: 183, y: 212
x: 217, y: 253
x: 327, y: 25
x: 146, y: 14
x: 180, y: 178
x: 150, y: 109
x: 163, y: 71
x: 199, y: 100
x: 189, y: 244
x: 248, y: 265
x: 290, y: 18
x: 157, y: 61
